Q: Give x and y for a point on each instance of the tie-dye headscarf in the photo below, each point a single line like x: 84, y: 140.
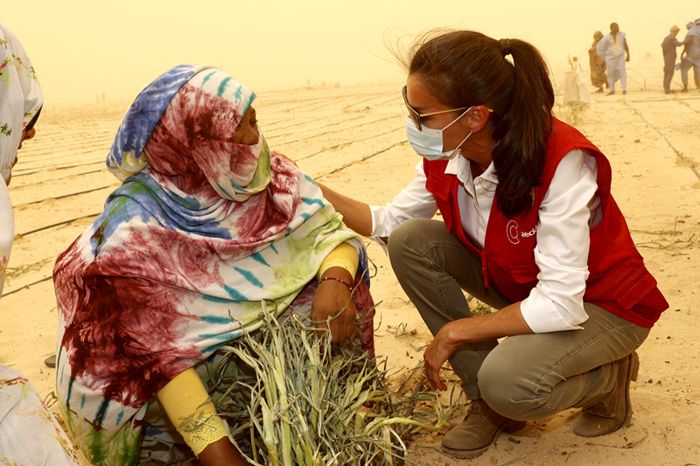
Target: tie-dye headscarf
x: 20, y: 100
x: 201, y: 233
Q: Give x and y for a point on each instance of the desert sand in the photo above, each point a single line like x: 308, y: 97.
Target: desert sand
x: 353, y: 140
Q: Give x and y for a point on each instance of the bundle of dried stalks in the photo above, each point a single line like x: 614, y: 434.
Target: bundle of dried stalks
x: 297, y: 400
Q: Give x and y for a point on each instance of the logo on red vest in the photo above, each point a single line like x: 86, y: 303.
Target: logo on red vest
x: 514, y: 235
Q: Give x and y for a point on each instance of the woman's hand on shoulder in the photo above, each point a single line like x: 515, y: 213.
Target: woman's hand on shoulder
x: 332, y: 306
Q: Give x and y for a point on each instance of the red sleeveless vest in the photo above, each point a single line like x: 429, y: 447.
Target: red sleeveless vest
x: 618, y: 280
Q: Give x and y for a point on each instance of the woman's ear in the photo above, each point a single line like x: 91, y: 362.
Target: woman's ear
x: 478, y: 118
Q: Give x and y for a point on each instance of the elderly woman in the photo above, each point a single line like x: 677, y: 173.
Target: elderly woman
x: 28, y: 432
x: 208, y: 230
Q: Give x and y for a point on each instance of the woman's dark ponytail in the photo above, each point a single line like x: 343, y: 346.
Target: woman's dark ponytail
x: 524, y: 127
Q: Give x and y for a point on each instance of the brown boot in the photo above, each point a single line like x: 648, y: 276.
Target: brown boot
x: 615, y: 410
x: 477, y: 432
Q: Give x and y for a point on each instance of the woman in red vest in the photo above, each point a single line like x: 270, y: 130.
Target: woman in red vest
x: 530, y: 228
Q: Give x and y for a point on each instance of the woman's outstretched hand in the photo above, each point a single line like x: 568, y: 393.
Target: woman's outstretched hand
x: 332, y: 306
x: 437, y: 353
x: 506, y: 322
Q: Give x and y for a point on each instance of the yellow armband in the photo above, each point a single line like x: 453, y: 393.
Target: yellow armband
x: 344, y: 256
x: 187, y: 404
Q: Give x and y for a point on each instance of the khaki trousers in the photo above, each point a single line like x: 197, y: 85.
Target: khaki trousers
x: 525, y: 376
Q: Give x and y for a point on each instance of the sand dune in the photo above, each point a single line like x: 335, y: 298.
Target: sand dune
x: 353, y: 139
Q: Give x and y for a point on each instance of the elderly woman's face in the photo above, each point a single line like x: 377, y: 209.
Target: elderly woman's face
x: 29, y: 131
x: 26, y: 134
x: 247, y: 131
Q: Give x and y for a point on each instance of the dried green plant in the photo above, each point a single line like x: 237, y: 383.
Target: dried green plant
x: 295, y: 399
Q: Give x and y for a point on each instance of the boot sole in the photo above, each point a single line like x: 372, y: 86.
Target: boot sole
x: 509, y: 427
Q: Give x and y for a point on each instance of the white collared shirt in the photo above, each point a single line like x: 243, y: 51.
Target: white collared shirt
x: 563, y: 240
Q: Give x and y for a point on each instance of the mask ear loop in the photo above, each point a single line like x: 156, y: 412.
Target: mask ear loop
x: 468, y: 135
x: 459, y: 146
x: 457, y: 119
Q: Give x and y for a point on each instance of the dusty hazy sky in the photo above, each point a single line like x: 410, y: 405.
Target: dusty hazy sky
x: 83, y: 48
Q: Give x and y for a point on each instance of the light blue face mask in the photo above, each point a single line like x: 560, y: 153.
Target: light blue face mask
x: 428, y: 142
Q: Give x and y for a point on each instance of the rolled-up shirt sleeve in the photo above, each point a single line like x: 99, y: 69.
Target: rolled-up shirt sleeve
x: 563, y: 241
x: 414, y: 201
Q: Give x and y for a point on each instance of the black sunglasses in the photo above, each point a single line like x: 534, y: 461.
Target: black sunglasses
x: 416, y: 116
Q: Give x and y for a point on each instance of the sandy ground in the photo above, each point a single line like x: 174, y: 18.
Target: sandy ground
x: 353, y: 140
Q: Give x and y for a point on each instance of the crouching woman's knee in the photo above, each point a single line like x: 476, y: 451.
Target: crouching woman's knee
x: 411, y: 237
x: 406, y: 239
x: 507, y: 392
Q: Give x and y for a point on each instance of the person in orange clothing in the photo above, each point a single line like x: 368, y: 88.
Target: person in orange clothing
x: 597, y: 64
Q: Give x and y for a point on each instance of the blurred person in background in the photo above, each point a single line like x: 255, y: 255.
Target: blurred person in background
x: 690, y: 57
x: 668, y: 47
x: 597, y: 63
x: 615, y: 50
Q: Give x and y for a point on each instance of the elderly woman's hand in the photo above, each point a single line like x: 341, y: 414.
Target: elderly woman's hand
x: 333, y: 307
